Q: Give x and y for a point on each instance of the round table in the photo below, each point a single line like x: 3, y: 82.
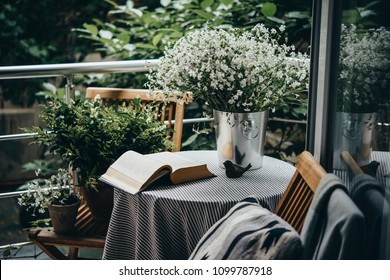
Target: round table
x: 166, y: 221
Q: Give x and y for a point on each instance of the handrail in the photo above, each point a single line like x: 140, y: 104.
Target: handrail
x: 66, y: 69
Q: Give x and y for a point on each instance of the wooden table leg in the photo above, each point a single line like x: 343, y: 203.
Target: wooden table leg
x: 73, y: 253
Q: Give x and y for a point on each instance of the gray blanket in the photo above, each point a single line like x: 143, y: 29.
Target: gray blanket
x: 249, y: 232
x: 334, y: 226
x: 369, y: 196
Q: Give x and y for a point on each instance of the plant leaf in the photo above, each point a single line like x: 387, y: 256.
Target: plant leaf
x: 226, y: 2
x: 277, y: 20
x: 269, y: 9
x: 124, y: 37
x: 146, y: 46
x: 165, y: 3
x: 50, y: 87
x: 206, y: 3
x: 91, y: 29
x: 203, y: 14
x: 190, y: 140
x: 297, y: 14
x: 106, y: 34
x: 136, y: 12
x: 351, y: 16
x: 157, y: 38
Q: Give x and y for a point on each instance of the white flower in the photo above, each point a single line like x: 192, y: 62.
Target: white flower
x: 364, y: 68
x: 40, y: 192
x: 232, y: 70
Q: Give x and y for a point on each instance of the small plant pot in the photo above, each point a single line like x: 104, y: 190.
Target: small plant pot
x: 63, y: 217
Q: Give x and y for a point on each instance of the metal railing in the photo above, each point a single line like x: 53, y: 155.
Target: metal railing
x: 70, y: 70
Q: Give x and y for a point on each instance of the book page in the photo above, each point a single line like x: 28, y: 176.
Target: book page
x: 174, y: 160
x: 118, y: 180
x: 136, y: 166
x: 183, y: 169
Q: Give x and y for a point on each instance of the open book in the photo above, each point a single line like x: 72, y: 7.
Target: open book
x: 132, y: 171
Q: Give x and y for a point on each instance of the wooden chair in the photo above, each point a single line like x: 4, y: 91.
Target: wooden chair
x: 295, y: 202
x: 90, y: 233
x: 351, y: 163
x: 170, y: 111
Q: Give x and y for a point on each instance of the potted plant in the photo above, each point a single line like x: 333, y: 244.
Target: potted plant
x: 240, y: 75
x: 363, y: 85
x: 90, y: 137
x: 55, y: 194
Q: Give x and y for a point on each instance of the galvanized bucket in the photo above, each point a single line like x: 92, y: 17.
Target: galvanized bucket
x: 354, y: 133
x: 240, y: 137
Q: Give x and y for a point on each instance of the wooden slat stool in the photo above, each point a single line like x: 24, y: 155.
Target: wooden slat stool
x: 89, y: 233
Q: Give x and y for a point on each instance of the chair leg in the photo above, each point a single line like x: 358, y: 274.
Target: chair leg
x: 53, y: 252
x: 73, y: 253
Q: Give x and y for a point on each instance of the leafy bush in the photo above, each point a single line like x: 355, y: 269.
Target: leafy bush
x: 137, y: 32
x: 90, y: 136
x: 40, y: 32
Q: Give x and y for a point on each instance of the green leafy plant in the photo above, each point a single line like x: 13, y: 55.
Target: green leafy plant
x: 42, y: 192
x: 90, y: 136
x: 233, y: 71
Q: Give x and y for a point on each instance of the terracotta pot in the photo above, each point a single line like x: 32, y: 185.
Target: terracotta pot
x: 99, y: 201
x: 63, y: 217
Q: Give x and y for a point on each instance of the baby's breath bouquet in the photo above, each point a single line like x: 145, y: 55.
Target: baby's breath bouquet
x: 364, y: 69
x: 233, y: 70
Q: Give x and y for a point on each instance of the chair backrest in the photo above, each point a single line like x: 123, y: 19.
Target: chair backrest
x: 169, y: 111
x: 350, y: 162
x: 296, y: 199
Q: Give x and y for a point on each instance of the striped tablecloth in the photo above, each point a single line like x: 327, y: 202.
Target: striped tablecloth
x: 167, y: 221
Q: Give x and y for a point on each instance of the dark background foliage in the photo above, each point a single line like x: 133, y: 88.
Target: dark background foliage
x: 40, y: 32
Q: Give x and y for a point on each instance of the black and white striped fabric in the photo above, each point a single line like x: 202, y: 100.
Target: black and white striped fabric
x: 167, y: 221
x: 249, y: 232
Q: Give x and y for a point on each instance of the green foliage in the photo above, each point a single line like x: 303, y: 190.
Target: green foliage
x: 366, y: 13
x: 34, y: 32
x: 137, y: 32
x: 47, y: 166
x: 40, y: 32
x: 90, y: 136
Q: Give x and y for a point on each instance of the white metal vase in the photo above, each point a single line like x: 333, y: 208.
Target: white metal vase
x: 240, y: 137
x: 354, y: 133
